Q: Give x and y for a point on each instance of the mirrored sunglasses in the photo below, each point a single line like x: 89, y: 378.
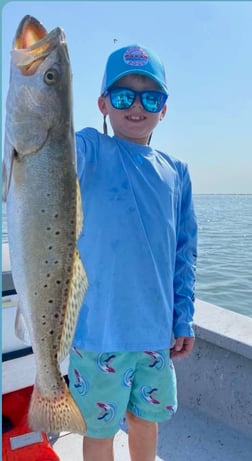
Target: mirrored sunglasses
x: 123, y: 98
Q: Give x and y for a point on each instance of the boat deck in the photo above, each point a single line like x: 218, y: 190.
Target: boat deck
x: 189, y: 436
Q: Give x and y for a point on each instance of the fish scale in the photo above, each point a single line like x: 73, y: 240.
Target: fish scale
x: 44, y: 215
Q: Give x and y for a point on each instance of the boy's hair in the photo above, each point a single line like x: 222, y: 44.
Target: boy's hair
x: 134, y: 59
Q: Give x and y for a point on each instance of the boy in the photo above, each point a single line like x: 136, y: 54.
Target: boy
x: 138, y: 246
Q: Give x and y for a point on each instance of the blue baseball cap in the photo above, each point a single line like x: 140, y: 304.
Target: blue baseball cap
x: 134, y: 59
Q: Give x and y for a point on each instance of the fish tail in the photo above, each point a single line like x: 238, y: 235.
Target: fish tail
x: 55, y: 414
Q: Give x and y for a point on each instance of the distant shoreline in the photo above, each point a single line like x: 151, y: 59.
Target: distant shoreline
x: 219, y: 193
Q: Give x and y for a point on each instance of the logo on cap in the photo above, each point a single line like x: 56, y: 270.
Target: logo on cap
x: 135, y: 56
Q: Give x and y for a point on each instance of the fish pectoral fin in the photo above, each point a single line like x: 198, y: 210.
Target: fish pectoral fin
x: 21, y: 139
x: 21, y: 328
x: 55, y: 414
x: 6, y: 178
x: 28, y: 135
x: 4, y: 183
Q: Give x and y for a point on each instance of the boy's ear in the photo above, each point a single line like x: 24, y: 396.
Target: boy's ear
x: 163, y: 112
x: 102, y: 105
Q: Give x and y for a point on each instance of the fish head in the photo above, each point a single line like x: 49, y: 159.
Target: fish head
x: 39, y: 100
x: 39, y: 97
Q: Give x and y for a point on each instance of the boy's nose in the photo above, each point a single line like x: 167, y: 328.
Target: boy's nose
x: 137, y: 101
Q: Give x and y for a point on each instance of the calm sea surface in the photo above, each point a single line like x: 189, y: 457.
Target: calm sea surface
x: 224, y: 270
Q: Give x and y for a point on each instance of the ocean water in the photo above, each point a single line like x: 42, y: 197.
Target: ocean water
x: 224, y: 268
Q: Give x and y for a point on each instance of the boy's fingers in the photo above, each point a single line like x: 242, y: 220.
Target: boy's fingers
x: 179, y: 344
x: 182, y: 347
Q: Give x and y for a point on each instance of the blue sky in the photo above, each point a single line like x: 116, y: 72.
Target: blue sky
x: 206, y: 49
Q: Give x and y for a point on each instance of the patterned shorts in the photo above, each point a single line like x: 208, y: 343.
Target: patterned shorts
x: 105, y: 385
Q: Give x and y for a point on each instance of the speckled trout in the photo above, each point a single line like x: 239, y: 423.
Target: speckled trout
x: 44, y: 215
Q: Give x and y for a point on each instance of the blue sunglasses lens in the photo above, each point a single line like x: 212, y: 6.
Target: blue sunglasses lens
x: 123, y: 98
x: 153, y: 101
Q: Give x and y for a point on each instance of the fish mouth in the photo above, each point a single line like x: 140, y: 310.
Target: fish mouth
x: 29, y: 31
x: 32, y: 44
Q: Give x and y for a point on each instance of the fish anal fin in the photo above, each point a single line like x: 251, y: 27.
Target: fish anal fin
x: 21, y: 329
x: 56, y: 414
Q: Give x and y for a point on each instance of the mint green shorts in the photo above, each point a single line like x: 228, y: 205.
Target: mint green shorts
x: 106, y: 385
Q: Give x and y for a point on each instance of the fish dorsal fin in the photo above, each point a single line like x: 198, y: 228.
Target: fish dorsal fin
x: 77, y: 287
x: 76, y: 293
x: 79, y: 214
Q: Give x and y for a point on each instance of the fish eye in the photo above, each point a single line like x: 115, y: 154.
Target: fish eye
x: 51, y: 77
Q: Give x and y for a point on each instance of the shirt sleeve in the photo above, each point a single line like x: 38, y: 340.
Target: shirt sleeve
x: 86, y: 149
x: 185, y: 267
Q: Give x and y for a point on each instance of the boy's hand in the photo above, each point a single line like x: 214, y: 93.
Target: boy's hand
x: 183, y: 346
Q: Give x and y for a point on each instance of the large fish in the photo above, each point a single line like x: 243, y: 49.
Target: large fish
x: 44, y: 215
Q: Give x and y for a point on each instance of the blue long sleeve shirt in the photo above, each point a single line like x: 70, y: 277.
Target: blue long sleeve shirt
x: 138, y: 245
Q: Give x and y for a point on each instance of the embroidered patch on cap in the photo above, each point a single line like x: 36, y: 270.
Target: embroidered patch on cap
x: 135, y: 56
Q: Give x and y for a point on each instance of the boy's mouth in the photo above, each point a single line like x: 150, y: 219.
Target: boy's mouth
x: 135, y: 118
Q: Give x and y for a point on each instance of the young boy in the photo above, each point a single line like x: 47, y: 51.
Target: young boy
x: 138, y: 246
